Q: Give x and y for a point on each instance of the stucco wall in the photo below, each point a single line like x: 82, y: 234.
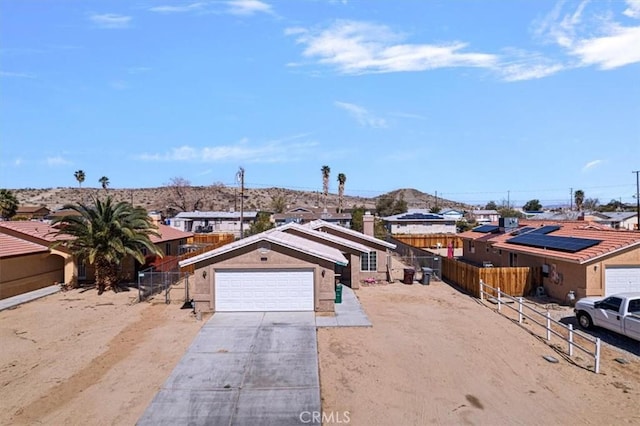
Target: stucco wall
x: 277, y: 258
x: 421, y: 228
x: 21, y: 274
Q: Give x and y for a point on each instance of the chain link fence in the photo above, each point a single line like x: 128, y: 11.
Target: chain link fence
x: 151, y: 283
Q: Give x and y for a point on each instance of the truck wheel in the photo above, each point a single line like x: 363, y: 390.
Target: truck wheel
x: 585, y: 320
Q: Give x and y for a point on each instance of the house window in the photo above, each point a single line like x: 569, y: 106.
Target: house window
x: 368, y: 261
x: 167, y: 249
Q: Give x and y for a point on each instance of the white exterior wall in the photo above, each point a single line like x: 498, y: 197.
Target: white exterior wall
x: 421, y: 228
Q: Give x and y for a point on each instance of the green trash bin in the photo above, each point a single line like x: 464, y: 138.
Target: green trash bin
x: 338, y: 293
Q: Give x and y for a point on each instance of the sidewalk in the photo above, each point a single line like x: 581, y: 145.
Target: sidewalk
x: 11, y: 302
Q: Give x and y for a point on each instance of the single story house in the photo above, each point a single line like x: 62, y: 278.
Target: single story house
x: 419, y: 222
x: 213, y: 221
x: 29, y: 262
x: 452, y: 214
x: 32, y: 212
x: 618, y: 220
x: 373, y: 265
x: 302, y: 215
x: 578, y: 256
x: 269, y: 271
x: 484, y: 216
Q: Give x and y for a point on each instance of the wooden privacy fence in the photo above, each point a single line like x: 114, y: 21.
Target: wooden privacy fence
x: 429, y: 240
x: 514, y: 281
x: 213, y: 241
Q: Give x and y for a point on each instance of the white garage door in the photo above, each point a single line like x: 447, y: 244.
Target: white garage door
x: 264, y: 290
x: 621, y: 279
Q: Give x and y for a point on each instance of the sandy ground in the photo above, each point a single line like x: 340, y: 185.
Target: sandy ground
x: 76, y: 358
x: 436, y: 356
x: 433, y: 356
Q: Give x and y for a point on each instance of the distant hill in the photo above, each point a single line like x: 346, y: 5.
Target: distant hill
x: 220, y: 197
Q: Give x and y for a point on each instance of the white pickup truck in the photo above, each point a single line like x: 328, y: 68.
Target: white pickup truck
x: 619, y: 313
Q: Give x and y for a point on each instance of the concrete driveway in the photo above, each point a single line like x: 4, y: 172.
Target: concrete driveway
x: 244, y: 369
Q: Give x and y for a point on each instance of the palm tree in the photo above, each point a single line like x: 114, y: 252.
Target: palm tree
x: 342, y: 178
x: 104, y: 234
x: 79, y: 175
x: 326, y: 171
x: 579, y: 198
x: 104, y: 181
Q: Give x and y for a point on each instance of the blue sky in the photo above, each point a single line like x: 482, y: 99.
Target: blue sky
x: 477, y: 100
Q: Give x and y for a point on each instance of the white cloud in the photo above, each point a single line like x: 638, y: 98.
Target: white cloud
x: 10, y: 74
x: 361, y: 115
x: 354, y: 47
x: 276, y: 151
x: 178, y: 9
x: 110, y: 20
x: 57, y: 161
x: 518, y: 65
x: 248, y: 7
x: 633, y: 9
x: 591, y: 164
x: 18, y: 162
x: 594, y: 39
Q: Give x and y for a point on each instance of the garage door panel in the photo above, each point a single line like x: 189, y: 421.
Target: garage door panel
x: 622, y: 279
x: 281, y: 290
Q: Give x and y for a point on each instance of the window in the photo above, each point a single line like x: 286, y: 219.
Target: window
x: 167, y: 249
x: 634, y: 306
x: 611, y: 303
x: 368, y: 262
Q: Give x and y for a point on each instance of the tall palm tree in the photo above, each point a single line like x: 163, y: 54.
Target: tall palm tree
x: 326, y: 171
x: 79, y: 175
x: 342, y: 178
x: 104, y: 234
x: 104, y: 181
x: 578, y: 196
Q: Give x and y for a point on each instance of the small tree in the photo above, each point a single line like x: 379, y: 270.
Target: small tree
x: 578, y: 197
x: 532, y: 206
x: 491, y: 205
x: 182, y: 197
x: 591, y: 204
x: 435, y: 209
x: 8, y: 204
x: 262, y: 223
x: 356, y: 218
x: 278, y: 204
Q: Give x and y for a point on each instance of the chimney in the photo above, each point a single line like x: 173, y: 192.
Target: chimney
x: 367, y: 224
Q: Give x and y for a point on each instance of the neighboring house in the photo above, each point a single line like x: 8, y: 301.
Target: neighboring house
x: 171, y: 242
x: 618, y: 220
x: 419, y: 222
x: 484, y: 216
x: 213, y: 221
x: 270, y: 271
x: 452, y: 214
x: 302, y: 215
x: 377, y: 263
x: 28, y: 261
x: 590, y: 259
x: 32, y: 212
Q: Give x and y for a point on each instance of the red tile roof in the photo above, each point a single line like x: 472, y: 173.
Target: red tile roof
x: 36, y: 229
x: 168, y: 233
x: 611, y: 240
x: 13, y: 246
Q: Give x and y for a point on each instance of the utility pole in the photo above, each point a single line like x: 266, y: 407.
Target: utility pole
x: 240, y: 178
x: 570, y: 199
x: 436, y: 200
x: 509, y: 199
x: 637, y: 196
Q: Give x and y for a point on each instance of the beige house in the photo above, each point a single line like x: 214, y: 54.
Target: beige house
x: 32, y: 212
x: 270, y: 271
x: 578, y: 256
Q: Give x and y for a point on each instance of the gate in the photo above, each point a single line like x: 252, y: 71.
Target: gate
x: 150, y: 283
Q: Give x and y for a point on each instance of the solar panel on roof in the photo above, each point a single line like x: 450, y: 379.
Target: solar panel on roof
x: 485, y: 229
x: 545, y: 229
x: 414, y: 216
x: 568, y: 244
x: 521, y: 231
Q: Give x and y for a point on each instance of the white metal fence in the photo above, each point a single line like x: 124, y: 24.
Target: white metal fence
x: 503, y: 299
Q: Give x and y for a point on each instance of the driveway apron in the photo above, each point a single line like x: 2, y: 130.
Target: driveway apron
x: 248, y: 368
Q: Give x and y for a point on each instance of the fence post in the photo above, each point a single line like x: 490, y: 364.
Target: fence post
x: 481, y: 291
x: 498, y: 299
x: 519, y: 310
x: 570, y: 339
x: 548, y: 326
x: 597, y: 356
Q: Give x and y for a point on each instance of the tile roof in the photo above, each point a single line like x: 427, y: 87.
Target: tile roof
x: 14, y: 246
x: 35, y: 229
x: 280, y: 238
x: 319, y: 224
x: 30, y: 209
x: 168, y: 233
x: 611, y: 240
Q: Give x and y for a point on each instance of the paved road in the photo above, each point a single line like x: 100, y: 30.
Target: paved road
x: 244, y: 369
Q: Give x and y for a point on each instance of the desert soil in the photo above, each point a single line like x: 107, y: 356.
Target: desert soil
x: 434, y: 355
x: 437, y: 356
